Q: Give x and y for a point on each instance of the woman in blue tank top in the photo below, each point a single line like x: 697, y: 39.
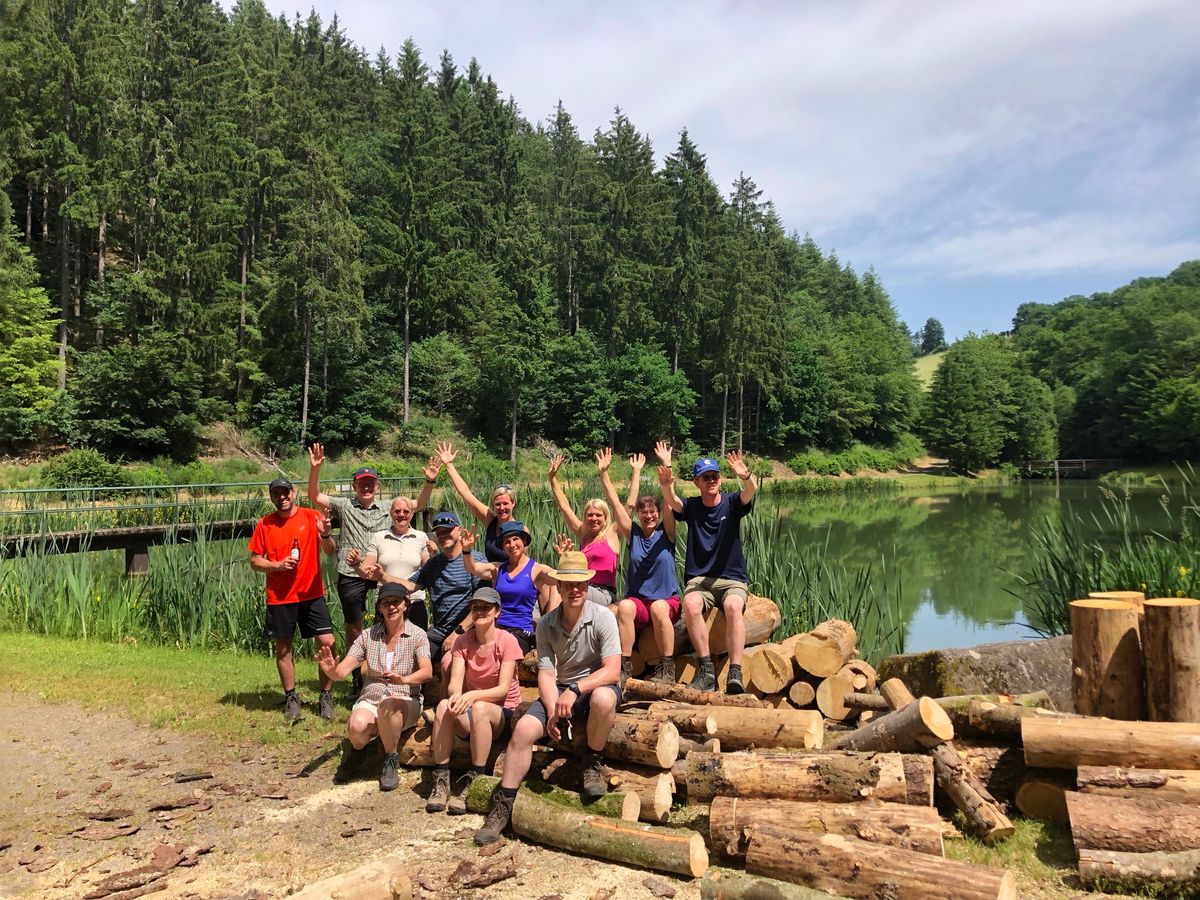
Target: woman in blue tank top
x: 521, y: 582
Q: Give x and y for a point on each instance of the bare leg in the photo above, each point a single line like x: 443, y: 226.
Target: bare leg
x: 445, y: 726
x: 393, y: 721
x: 602, y: 712
x: 735, y: 628
x: 361, y: 728
x: 693, y: 617
x: 518, y: 756
x: 485, y: 719
x: 284, y: 663
x: 323, y: 640
x: 664, y: 629
x: 625, y: 612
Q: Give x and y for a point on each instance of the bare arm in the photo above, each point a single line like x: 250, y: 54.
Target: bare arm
x: 620, y: 513
x: 325, y: 536
x: 609, y: 673
x: 742, y: 471
x: 423, y: 673
x: 431, y: 474
x: 485, y: 570
x: 316, y: 458
x: 333, y: 669
x: 670, y: 499
x: 446, y: 453
x: 548, y: 597
x: 458, y: 674
x: 260, y: 563
x: 560, y: 497
x: 666, y: 477
x: 548, y: 694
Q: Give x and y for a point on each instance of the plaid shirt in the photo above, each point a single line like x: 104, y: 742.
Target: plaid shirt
x: 411, y: 645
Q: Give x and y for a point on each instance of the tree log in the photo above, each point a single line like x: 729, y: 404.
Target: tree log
x: 761, y: 617
x: 685, y: 667
x: 831, y: 694
x: 636, y: 689
x: 637, y: 663
x: 919, y: 780
x: 1176, y: 785
x: 835, y: 777
x: 856, y: 868
x: 416, y: 749
x: 919, y: 726
x: 656, y: 792
x: 916, y: 828
x: 653, y: 786
x: 801, y: 694
x: 1132, y: 826
x: 649, y: 742
x: 1098, y: 867
x: 730, y: 884
x: 826, y: 648
x: 648, y: 846
x: 376, y: 879
x: 741, y: 729
x: 861, y: 673
x: 866, y: 702
x: 959, y: 708
x: 1001, y: 769
x: 688, y: 744
x: 1106, y: 659
x: 1002, y: 721
x: 690, y: 719
x: 626, y: 805
x: 1135, y: 598
x: 1171, y: 650
x: 1061, y: 743
x: 773, y: 667
x: 1042, y: 795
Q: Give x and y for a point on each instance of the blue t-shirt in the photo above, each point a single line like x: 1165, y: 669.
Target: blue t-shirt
x: 651, y: 565
x: 714, y: 538
x: 449, y: 588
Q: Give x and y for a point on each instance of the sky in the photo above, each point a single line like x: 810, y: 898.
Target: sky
x: 976, y: 155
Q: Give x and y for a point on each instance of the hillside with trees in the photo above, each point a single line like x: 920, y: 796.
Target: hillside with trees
x: 216, y: 216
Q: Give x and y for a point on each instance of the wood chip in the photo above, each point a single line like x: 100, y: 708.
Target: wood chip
x: 58, y: 795
x: 493, y: 848
x: 658, y: 887
x: 41, y: 864
x: 471, y: 875
x: 178, y: 803
x: 102, y: 787
x: 605, y: 893
x: 191, y: 775
x: 144, y: 766
x: 109, y: 815
x: 106, y: 831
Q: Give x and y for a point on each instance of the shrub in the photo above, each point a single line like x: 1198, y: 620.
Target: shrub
x: 82, y: 468
x: 147, y: 476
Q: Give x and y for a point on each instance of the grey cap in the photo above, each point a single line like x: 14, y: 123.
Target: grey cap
x: 486, y: 595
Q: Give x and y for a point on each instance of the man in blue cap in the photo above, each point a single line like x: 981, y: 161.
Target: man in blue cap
x: 715, y: 567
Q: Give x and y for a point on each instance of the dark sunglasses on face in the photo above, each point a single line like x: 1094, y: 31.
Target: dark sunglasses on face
x: 710, y: 476
x: 401, y: 513
x: 389, y: 604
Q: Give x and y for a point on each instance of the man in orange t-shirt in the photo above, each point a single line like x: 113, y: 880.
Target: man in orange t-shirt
x: 285, y: 546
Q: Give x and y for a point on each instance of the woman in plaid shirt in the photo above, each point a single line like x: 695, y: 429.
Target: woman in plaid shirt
x: 397, y: 656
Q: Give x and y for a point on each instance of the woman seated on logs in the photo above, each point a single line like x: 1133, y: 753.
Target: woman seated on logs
x: 651, y: 587
x: 520, y: 581
x: 482, y: 696
x: 501, y: 512
x: 397, y: 656
x: 596, y: 537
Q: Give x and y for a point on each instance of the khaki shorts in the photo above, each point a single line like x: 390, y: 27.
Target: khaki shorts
x: 411, y: 707
x: 714, y: 590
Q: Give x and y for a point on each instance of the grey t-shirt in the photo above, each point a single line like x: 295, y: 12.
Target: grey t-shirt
x: 581, y: 651
x: 358, y: 525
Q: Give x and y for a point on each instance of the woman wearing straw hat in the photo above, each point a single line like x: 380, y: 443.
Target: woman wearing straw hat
x: 501, y: 511
x: 521, y: 581
x: 597, y: 538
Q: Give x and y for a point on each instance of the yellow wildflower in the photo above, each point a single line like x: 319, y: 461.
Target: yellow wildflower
x: 1183, y: 570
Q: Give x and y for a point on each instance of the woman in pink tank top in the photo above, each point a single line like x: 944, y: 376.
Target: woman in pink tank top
x: 596, y: 536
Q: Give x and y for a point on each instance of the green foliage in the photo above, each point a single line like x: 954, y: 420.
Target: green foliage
x: 932, y: 337
x: 858, y: 458
x: 82, y: 468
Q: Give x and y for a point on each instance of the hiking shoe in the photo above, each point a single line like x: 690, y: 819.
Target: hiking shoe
x: 626, y: 669
x: 594, y: 784
x: 291, y: 707
x: 389, y: 778
x: 350, y: 763
x: 356, y: 684
x: 440, y: 794
x: 325, y: 705
x: 497, y: 819
x: 458, y: 802
x: 706, y: 678
x: 733, y: 684
x: 664, y: 671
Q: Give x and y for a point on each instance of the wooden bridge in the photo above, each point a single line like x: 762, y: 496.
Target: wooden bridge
x: 1068, y: 468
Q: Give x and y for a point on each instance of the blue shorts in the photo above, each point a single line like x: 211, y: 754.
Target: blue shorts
x: 505, y: 723
x: 580, y: 709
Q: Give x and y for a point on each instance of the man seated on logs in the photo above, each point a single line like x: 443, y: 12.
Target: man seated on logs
x: 715, y: 567
x: 579, y: 667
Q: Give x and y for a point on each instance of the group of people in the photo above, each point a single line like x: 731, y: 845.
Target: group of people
x: 440, y: 604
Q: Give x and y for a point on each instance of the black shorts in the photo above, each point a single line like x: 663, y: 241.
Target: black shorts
x: 352, y: 591
x: 311, y: 615
x: 579, y: 710
x: 525, y: 639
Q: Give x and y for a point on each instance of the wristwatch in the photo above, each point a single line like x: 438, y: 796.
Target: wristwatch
x: 574, y: 687
x: 460, y: 630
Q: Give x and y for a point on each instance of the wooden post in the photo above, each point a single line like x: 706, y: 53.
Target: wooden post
x: 1107, y: 660
x: 1171, y: 650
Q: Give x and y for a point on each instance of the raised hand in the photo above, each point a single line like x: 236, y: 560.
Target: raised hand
x: 556, y: 464
x: 663, y: 451
x: 431, y: 547
x: 446, y: 453
x: 316, y: 456
x: 637, y: 462
x: 468, y: 540
x: 326, y: 660
x: 604, y: 460
x: 432, y: 470
x: 740, y: 469
x: 666, y: 475
x: 563, y: 544
x: 325, y: 526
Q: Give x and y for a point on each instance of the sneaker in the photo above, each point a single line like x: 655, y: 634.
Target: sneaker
x: 356, y: 684
x: 594, y: 784
x: 664, y: 671
x: 458, y: 802
x: 626, y: 669
x: 440, y: 794
x: 733, y: 684
x: 706, y: 678
x: 350, y: 763
x: 389, y: 778
x: 291, y: 707
x: 497, y: 820
x: 325, y: 705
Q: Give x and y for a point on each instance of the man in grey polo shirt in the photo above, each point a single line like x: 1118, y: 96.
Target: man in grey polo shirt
x: 579, y: 672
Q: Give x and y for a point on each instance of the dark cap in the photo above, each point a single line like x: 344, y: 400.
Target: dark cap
x: 445, y: 519
x: 365, y: 472
x: 280, y: 483
x: 392, y: 589
x: 486, y: 595
x: 510, y: 528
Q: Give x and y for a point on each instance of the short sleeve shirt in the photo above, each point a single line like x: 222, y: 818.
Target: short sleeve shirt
x: 450, y: 587
x: 483, y: 670
x: 399, y: 554
x: 714, y: 538
x: 580, y: 651
x: 358, y: 524
x: 371, y: 646
x: 273, y: 538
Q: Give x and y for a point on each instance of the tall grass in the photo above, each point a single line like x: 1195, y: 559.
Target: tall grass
x: 1068, y: 560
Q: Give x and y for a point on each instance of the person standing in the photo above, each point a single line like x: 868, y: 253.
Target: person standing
x: 579, y: 667
x: 597, y: 538
x: 715, y: 566
x: 286, y: 546
x: 400, y: 550
x: 503, y: 503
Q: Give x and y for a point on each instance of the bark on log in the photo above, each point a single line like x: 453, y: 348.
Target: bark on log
x: 378, y: 879
x: 826, y: 648
x: 741, y: 729
x: 959, y: 708
x: 801, y: 694
x: 1042, y: 795
x: 917, y: 828
x: 866, y: 702
x: 687, y: 744
x: 831, y: 694
x: 1106, y: 659
x: 625, y: 805
x: 648, y: 742
x: 1098, y: 867
x: 1132, y: 826
x: 416, y: 749
x: 690, y: 719
x: 656, y: 792
x: 919, y: 726
x: 761, y: 617
x: 1002, y: 721
x: 1135, y: 598
x: 653, y: 787
x: 855, y: 868
x: 730, y: 884
x: 919, y: 780
x: 648, y: 846
x: 1001, y: 768
x: 833, y: 777
x: 1175, y: 785
x: 772, y: 668
x: 1171, y: 651
x: 1061, y: 743
x: 636, y: 689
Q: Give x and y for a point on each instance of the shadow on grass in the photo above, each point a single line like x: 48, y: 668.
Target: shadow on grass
x: 1055, y: 848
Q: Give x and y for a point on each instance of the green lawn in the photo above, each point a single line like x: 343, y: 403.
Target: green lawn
x: 925, y: 366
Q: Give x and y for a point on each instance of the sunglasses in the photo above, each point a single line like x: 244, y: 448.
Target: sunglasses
x: 401, y: 514
x: 710, y: 476
x: 391, y: 603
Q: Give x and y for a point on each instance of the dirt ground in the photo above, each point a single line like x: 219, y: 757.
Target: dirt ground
x: 271, y: 828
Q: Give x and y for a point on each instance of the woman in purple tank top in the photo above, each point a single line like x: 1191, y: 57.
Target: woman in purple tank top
x: 595, y: 536
x: 521, y: 582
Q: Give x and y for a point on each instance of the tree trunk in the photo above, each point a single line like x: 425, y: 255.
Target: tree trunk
x: 831, y: 694
x: 959, y: 710
x: 826, y: 648
x: 761, y: 617
x: 856, y: 868
x: 1001, y: 769
x: 1003, y: 721
x: 239, y: 375
x: 862, y: 675
x: 724, y: 416
x: 695, y: 744
x: 836, y: 777
x: 1176, y: 785
x: 1061, y: 743
x: 64, y: 296
x: 307, y: 370
x: 101, y: 246
x: 741, y: 413
x: 917, y: 828
x: 656, y: 792
x: 415, y: 749
x: 730, y: 884
x: 1107, y: 660
x: 743, y: 729
x: 1042, y: 795
x: 1132, y: 826
x: 688, y: 719
x: 921, y: 725
x: 370, y: 880
x: 45, y: 212
x: 1171, y: 649
x: 1163, y: 868
x: 29, y: 214
x: 408, y: 343
x: 647, y: 846
x: 636, y: 689
x: 648, y: 742
x: 1136, y: 598
x: 654, y: 787
x: 864, y: 702
x: 619, y: 805
x: 801, y: 694
x: 512, y: 451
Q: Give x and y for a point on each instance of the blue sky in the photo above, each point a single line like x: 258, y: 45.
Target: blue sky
x: 978, y: 155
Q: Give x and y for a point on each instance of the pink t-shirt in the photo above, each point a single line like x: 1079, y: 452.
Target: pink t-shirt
x: 483, y: 670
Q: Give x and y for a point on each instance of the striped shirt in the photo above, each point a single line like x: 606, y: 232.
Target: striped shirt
x: 371, y: 646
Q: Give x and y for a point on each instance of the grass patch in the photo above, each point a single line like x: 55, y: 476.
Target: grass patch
x: 925, y: 367
x: 1041, y: 857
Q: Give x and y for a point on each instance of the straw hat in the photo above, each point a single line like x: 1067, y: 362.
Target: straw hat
x: 573, y: 566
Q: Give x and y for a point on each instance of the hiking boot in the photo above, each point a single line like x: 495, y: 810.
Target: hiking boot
x: 458, y: 803
x: 356, y: 684
x: 291, y: 707
x: 497, y: 819
x: 626, y: 669
x: 325, y: 705
x: 440, y: 794
x: 706, y: 678
x: 351, y: 762
x: 734, y: 684
x: 594, y: 784
x: 664, y: 671
x: 389, y: 778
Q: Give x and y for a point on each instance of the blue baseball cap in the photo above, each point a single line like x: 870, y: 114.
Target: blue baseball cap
x: 365, y: 472
x: 445, y: 519
x: 512, y: 527
x: 705, y: 464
